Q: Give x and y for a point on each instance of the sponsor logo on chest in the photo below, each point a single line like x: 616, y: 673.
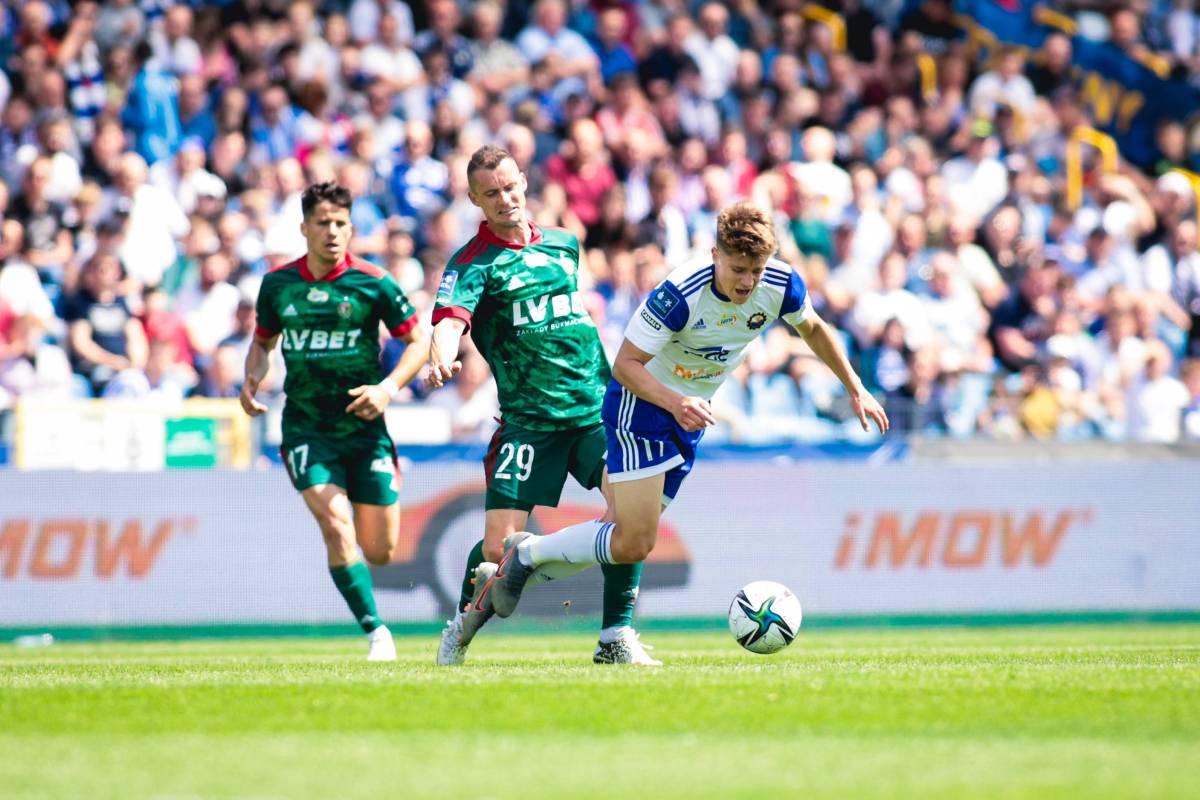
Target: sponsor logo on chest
x: 303, y: 340
x: 536, y: 310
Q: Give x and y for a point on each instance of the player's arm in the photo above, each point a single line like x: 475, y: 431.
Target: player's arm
x: 443, y: 350
x: 370, y: 400
x: 824, y: 342
x: 629, y: 368
x: 258, y: 362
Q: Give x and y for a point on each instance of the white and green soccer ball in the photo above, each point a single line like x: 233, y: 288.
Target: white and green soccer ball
x: 764, y: 617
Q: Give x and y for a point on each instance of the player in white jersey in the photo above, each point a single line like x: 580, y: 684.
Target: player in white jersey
x: 689, y: 333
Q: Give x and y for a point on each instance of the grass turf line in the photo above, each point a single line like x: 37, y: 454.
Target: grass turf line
x: 1022, y: 712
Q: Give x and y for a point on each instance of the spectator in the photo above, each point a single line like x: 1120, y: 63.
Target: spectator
x: 419, y: 181
x: 154, y: 221
x: 47, y: 242
x: 1006, y: 85
x: 499, y: 68
x: 152, y: 110
x: 1050, y: 69
x: 444, y: 22
x: 105, y: 337
x: 222, y: 377
x: 366, y: 20
x: 569, y: 59
x: 581, y: 169
x: 1158, y: 400
x: 616, y: 58
x: 976, y: 181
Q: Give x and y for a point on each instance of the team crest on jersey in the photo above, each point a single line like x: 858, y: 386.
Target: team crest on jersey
x: 726, y: 320
x: 699, y: 326
x: 756, y: 321
x: 536, y: 259
x: 316, y: 295
x: 344, y: 309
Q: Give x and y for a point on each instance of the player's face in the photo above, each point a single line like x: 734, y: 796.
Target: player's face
x: 500, y: 194
x: 737, y: 275
x: 327, y: 230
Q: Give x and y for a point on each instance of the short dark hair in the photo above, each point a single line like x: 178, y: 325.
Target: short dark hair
x: 327, y: 192
x: 487, y: 157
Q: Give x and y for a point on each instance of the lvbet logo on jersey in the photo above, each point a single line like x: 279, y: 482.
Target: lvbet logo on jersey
x: 307, y: 340
x: 535, y: 309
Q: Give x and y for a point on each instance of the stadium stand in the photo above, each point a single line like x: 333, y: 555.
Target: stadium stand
x: 995, y: 202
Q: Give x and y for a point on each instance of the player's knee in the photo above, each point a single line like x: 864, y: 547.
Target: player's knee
x: 336, y: 530
x: 379, y: 555
x: 631, y: 549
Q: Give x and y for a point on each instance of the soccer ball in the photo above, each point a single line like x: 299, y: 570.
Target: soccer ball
x: 764, y: 617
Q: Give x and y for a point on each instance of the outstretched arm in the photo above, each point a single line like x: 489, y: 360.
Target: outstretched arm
x: 443, y: 351
x: 629, y: 368
x: 824, y: 342
x: 258, y: 361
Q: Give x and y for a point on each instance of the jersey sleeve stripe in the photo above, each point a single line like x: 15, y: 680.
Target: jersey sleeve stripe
x: 453, y: 312
x: 264, y: 333
x: 700, y: 278
x: 404, y: 327
x: 471, y: 250
x: 695, y: 288
x: 366, y: 267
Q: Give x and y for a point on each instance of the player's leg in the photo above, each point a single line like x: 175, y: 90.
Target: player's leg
x: 332, y: 510
x: 373, y: 489
x: 656, y: 457
x: 589, y: 466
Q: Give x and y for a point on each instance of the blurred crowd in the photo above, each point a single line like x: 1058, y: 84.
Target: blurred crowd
x: 152, y: 155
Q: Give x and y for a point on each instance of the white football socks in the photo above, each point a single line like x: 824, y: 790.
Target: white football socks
x: 585, y: 543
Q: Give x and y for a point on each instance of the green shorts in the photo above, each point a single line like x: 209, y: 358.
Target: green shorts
x: 526, y: 468
x: 364, y: 464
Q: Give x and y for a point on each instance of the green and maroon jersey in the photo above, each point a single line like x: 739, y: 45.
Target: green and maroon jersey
x: 329, y: 328
x: 527, y: 318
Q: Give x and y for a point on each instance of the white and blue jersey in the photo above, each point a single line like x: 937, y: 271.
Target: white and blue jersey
x: 697, y: 337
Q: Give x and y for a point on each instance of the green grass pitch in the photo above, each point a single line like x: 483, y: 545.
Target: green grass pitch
x: 1034, y: 712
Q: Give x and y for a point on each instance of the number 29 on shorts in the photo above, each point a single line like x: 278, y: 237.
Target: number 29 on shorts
x: 518, y: 458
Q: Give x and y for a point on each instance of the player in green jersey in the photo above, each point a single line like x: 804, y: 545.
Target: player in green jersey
x: 327, y: 308
x: 514, y: 287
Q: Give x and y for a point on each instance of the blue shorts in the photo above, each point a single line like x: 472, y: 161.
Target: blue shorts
x: 645, y: 440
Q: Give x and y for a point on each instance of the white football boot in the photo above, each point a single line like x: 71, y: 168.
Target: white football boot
x: 627, y: 648
x: 382, y: 646
x: 459, y: 631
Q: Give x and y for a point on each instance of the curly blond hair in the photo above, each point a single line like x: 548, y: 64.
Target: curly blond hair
x: 746, y: 229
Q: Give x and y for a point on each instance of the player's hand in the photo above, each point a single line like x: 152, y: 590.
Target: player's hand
x: 440, y: 372
x: 369, y: 401
x: 866, y: 407
x: 246, y: 397
x: 694, y: 413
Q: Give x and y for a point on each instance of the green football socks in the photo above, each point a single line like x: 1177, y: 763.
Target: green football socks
x: 354, y: 582
x: 620, y: 593
x: 468, y: 588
